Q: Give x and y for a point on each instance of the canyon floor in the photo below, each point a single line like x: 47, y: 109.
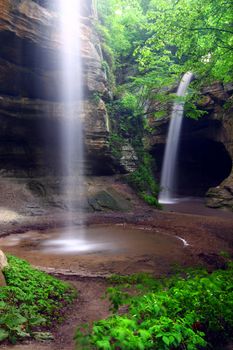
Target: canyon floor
x: 192, y: 240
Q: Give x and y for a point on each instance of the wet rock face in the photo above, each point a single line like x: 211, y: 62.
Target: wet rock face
x: 206, y: 148
x: 30, y: 78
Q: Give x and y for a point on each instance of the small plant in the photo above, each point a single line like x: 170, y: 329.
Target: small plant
x: 30, y: 300
x: 143, y: 181
x: 129, y: 102
x: 184, y: 312
x: 95, y: 98
x: 116, y: 142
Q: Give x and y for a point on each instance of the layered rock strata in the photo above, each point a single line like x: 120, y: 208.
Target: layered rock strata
x: 30, y: 102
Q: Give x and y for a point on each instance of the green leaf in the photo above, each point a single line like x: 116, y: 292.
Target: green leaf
x: 103, y: 344
x: 35, y: 321
x: 166, y: 340
x: 13, y: 320
x: 2, y: 304
x: 3, y: 334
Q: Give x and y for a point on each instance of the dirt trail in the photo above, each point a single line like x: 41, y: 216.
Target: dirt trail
x: 88, y: 307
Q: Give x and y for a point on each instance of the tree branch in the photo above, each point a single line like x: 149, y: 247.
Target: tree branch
x: 210, y: 28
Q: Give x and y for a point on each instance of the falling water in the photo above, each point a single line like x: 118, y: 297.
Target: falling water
x: 168, y: 180
x: 71, y: 95
x: 71, y: 125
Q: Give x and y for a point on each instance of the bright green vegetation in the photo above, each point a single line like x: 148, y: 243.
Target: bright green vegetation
x: 30, y: 300
x: 187, y: 312
x: 147, y: 46
x: 168, y: 37
x: 154, y: 42
x: 142, y: 180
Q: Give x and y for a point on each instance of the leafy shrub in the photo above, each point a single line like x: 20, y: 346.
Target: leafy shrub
x: 30, y: 299
x: 183, y: 312
x: 143, y: 181
x: 116, y: 142
x: 129, y: 102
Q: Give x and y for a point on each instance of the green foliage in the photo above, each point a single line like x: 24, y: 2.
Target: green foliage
x: 143, y: 181
x: 129, y: 102
x: 155, y: 41
x: 30, y: 299
x: 95, y: 98
x: 109, y: 74
x: 183, y: 312
x: 122, y: 20
x: 125, y: 115
x: 189, y: 35
x: 190, y: 102
x: 116, y: 142
x: 151, y: 200
x: 192, y: 111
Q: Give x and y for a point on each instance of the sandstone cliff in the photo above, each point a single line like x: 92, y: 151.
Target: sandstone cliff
x: 30, y: 106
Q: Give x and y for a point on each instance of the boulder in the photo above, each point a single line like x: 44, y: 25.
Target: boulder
x: 3, y: 264
x: 222, y: 195
x: 109, y: 199
x: 3, y: 260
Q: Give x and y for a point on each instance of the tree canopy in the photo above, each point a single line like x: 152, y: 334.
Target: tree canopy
x: 170, y: 37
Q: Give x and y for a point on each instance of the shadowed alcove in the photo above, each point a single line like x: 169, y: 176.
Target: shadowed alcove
x: 203, y: 160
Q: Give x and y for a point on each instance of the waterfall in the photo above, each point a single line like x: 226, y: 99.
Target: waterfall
x: 71, y: 96
x: 168, y: 179
x: 71, y: 135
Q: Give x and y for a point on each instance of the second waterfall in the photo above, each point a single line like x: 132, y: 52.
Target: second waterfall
x: 169, y: 169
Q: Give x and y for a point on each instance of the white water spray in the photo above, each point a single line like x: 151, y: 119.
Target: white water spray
x: 71, y: 95
x: 71, y: 125
x: 168, y: 179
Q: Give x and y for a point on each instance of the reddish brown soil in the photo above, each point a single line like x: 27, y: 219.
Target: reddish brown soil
x: 207, y: 236
x: 89, y: 307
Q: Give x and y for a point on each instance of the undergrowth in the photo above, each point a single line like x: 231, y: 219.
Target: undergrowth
x: 143, y: 181
x: 188, y: 311
x: 31, y: 300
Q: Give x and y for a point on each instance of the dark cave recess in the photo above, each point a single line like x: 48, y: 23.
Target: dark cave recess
x: 203, y: 162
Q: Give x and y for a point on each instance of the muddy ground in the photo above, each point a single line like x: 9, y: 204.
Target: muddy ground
x: 207, y: 237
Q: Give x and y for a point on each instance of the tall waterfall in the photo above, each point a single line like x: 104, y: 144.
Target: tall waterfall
x: 168, y: 179
x: 71, y: 96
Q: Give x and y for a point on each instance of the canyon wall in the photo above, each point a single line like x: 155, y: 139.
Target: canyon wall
x: 31, y: 112
x: 30, y: 79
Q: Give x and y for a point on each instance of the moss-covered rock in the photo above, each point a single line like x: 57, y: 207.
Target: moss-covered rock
x: 109, y: 199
